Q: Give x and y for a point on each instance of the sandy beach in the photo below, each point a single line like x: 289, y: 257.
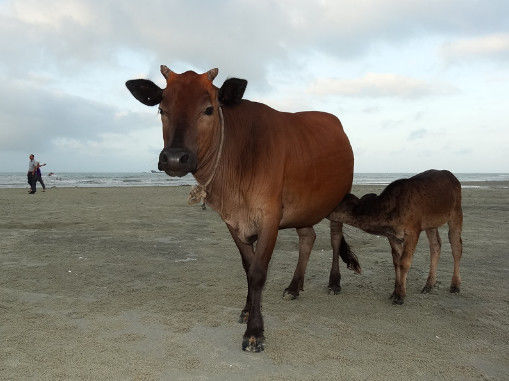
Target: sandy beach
x: 132, y: 283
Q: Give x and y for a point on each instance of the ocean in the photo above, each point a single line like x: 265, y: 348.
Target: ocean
x: 140, y: 179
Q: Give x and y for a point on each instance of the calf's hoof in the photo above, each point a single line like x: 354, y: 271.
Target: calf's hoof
x: 253, y: 344
x: 427, y: 289
x: 334, y: 288
x: 244, y: 316
x: 454, y: 289
x: 294, y: 293
x: 396, y: 299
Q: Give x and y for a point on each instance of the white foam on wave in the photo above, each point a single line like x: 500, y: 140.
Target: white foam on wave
x: 188, y: 259
x: 140, y: 179
x: 91, y: 180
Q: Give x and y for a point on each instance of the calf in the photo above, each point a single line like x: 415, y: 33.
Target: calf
x: 404, y: 209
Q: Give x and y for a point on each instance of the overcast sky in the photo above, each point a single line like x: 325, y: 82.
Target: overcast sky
x: 416, y: 84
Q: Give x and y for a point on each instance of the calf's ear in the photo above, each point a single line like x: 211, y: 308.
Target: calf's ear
x: 232, y: 91
x: 350, y: 199
x: 147, y: 92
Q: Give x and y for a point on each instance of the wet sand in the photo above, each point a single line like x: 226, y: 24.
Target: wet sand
x: 131, y: 283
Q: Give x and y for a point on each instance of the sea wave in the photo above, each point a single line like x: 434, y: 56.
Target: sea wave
x: 140, y: 179
x: 83, y: 180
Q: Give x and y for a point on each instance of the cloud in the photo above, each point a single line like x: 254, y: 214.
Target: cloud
x: 242, y: 38
x: 417, y: 134
x: 53, y: 14
x: 493, y: 46
x: 464, y: 151
x: 64, y: 63
x: 378, y: 85
x: 31, y: 117
x: 114, y: 144
x: 391, y: 123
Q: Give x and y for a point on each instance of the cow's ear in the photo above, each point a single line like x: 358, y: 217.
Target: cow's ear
x: 232, y: 91
x: 147, y: 92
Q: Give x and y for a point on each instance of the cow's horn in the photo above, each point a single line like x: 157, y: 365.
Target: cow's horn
x: 165, y: 71
x: 212, y: 73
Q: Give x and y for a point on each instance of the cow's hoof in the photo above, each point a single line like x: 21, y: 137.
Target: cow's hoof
x: 293, y: 293
x: 334, y: 288
x: 244, y: 315
x: 427, y: 289
x: 454, y: 289
x: 253, y: 344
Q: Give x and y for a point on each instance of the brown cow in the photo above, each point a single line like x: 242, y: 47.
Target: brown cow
x: 404, y: 209
x: 260, y: 169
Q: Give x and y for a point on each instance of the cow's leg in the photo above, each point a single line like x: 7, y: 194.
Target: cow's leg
x: 247, y: 254
x: 409, y: 244
x: 455, y: 226
x: 434, y: 251
x: 253, y: 337
x: 397, y: 251
x: 336, y: 233
x: 307, y: 238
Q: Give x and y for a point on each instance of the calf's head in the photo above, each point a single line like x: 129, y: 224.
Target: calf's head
x: 189, y: 109
x: 345, y: 208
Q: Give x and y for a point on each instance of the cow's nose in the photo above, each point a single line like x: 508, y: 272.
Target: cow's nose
x: 177, y: 161
x: 184, y: 158
x: 163, y: 161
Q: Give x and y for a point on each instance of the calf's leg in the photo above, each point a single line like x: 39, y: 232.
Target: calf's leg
x: 336, y: 233
x: 247, y: 254
x: 434, y: 250
x: 253, y: 339
x: 409, y: 244
x: 455, y: 226
x: 397, y: 251
x: 307, y: 238
x: 340, y: 249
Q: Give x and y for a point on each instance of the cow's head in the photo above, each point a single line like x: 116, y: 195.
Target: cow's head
x: 189, y: 108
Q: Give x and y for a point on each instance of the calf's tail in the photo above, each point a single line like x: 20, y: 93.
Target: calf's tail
x: 348, y: 257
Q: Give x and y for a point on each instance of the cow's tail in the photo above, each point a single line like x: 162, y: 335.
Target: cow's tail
x: 348, y: 257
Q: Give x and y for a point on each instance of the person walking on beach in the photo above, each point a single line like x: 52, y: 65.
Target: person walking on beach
x: 38, y: 175
x: 31, y: 174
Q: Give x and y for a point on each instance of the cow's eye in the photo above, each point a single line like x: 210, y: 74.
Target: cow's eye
x: 209, y: 110
x: 160, y: 111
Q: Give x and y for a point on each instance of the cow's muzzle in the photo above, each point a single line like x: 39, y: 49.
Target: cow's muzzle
x: 177, y: 161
